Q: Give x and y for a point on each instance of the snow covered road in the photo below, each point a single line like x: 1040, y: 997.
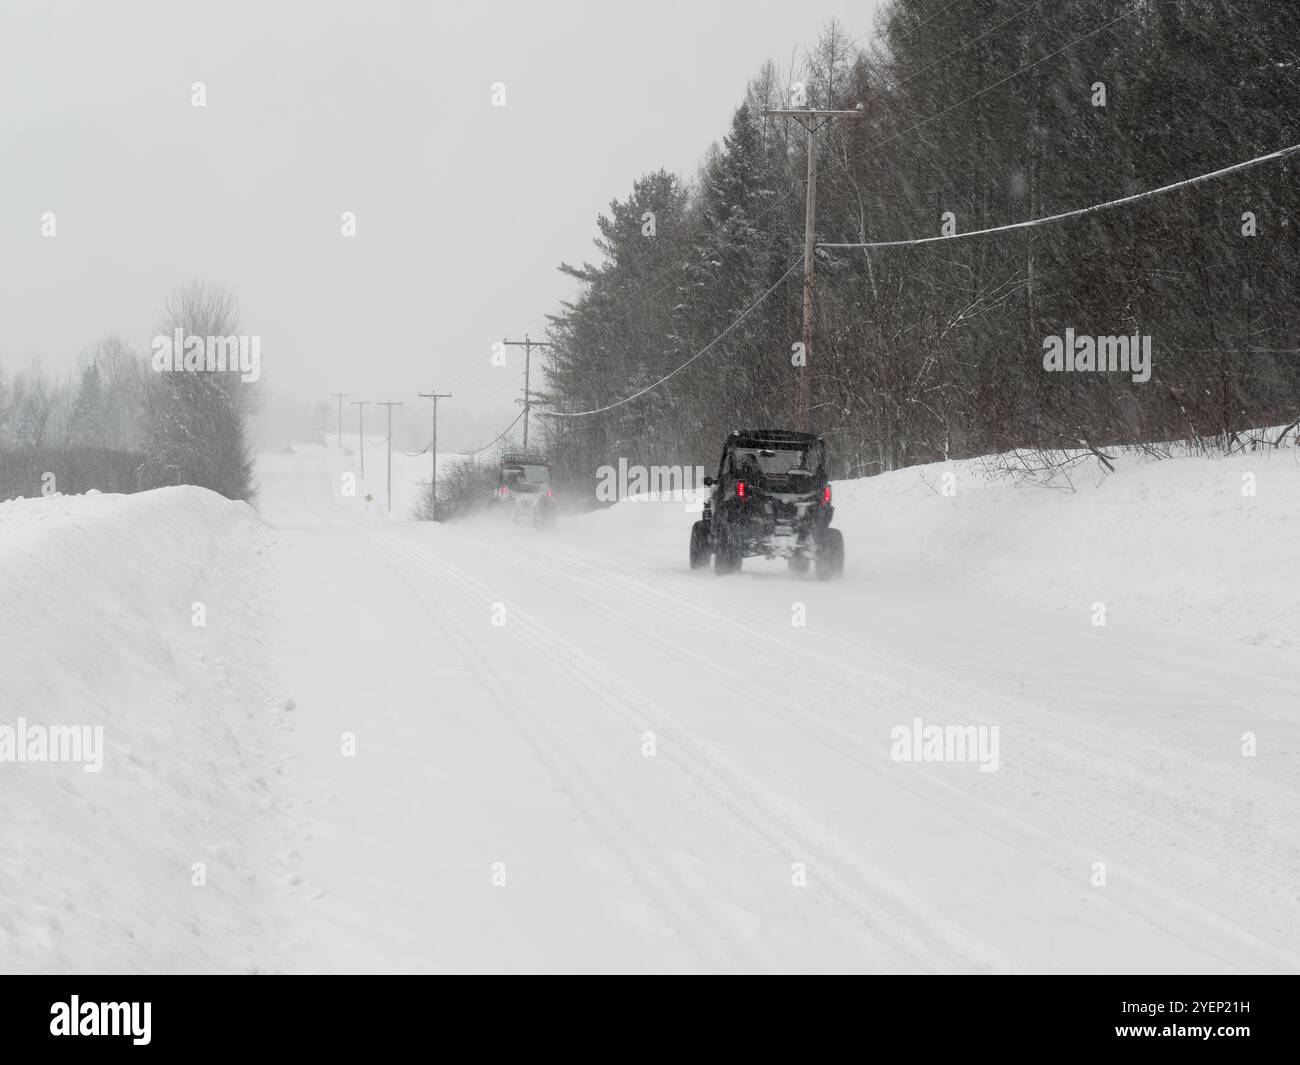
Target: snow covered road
x: 574, y: 754
x: 396, y: 746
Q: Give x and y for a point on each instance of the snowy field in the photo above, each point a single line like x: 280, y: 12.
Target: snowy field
x: 397, y: 746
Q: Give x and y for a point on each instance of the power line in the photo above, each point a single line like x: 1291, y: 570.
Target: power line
x: 527, y: 344
x: 675, y: 268
x: 340, y: 396
x: 963, y: 46
x: 476, y: 451
x: 905, y: 34
x: 781, y: 200
x: 361, y: 405
x: 390, y: 404
x: 812, y: 120
x: 467, y: 454
x: 435, y: 395
x: 1252, y: 351
x: 990, y: 88
x: 1079, y: 213
x: 636, y: 395
x: 926, y: 22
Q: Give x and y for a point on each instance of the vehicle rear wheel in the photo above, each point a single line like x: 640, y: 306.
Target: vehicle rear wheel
x: 728, y: 556
x: 830, y: 555
x: 699, y: 545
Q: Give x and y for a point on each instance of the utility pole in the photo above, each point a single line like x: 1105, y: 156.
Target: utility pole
x: 527, y: 344
x: 340, y: 396
x: 361, y: 430
x: 435, y: 395
x: 390, y: 404
x: 812, y: 120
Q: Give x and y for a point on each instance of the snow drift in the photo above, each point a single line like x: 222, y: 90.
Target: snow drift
x: 1196, y: 542
x: 98, y: 869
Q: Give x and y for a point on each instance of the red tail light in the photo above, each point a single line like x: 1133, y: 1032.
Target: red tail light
x: 504, y: 490
x: 740, y: 489
x: 548, y: 493
x: 826, y: 494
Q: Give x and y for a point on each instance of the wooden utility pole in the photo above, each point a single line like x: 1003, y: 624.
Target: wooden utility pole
x: 435, y: 395
x: 390, y: 404
x: 527, y: 344
x: 361, y: 430
x: 340, y: 396
x: 812, y: 120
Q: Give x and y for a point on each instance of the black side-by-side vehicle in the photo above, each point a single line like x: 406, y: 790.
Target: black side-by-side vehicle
x: 771, y: 497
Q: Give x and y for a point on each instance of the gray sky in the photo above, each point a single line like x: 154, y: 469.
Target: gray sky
x: 380, y: 108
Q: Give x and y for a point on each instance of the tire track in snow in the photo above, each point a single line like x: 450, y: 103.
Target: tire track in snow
x: 1182, y: 920
x: 598, y: 804
x: 919, y: 932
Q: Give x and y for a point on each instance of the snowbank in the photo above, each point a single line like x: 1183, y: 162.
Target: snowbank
x: 97, y: 868
x: 1175, y: 542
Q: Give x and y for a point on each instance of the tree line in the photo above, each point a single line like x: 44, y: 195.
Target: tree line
x: 974, y: 115
x: 116, y: 425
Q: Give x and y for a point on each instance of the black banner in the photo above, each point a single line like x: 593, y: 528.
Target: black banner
x: 1222, y: 1016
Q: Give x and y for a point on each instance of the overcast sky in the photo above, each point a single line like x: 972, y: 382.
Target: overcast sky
x: 380, y: 108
